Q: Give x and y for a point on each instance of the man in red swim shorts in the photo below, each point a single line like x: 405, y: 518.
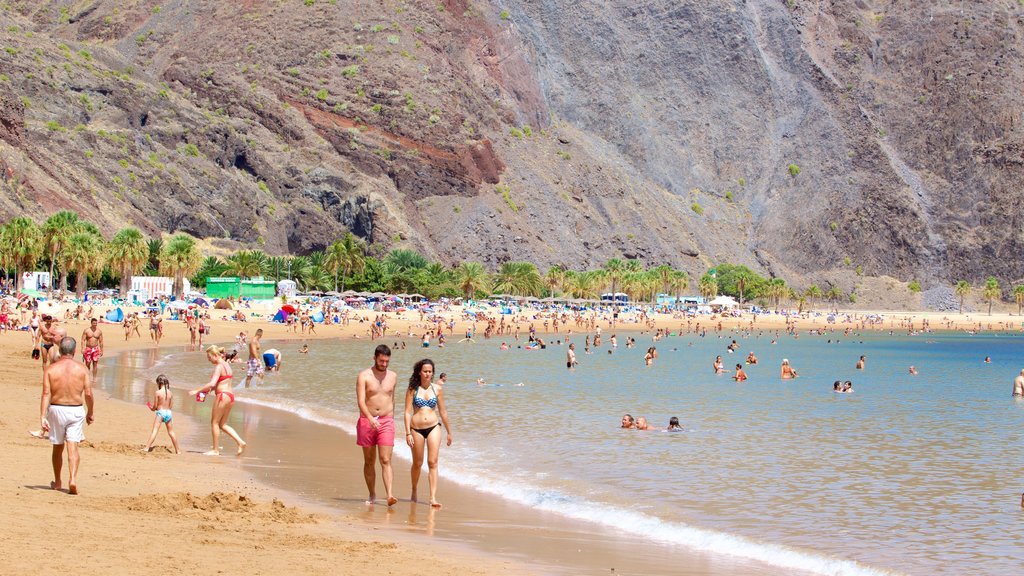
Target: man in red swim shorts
x: 92, y: 338
x: 375, y: 430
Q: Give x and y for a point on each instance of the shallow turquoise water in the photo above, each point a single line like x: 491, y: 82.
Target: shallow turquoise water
x: 910, y: 474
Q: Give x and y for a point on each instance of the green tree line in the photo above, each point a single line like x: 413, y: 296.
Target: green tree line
x: 73, y: 249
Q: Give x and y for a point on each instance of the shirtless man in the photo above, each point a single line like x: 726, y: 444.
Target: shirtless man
x: 860, y: 363
x: 1018, y: 385
x: 570, y: 356
x: 65, y: 383
x: 57, y: 333
x: 46, y: 339
x: 375, y: 430
x: 93, y: 338
x: 255, y: 366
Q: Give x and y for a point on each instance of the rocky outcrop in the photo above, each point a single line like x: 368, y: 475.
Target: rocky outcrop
x: 797, y: 138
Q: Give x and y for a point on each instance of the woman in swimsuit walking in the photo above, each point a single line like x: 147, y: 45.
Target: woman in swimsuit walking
x: 424, y: 415
x: 220, y: 382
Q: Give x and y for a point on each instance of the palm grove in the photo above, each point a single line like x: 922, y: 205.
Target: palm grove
x: 74, y: 249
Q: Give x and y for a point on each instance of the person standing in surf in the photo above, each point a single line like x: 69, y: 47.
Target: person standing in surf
x: 424, y: 414
x: 375, y: 430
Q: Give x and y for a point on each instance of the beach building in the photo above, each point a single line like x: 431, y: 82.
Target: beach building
x: 35, y: 281
x: 287, y: 288
x: 235, y: 287
x: 153, y: 286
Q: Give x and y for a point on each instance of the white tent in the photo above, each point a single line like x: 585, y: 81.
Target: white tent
x: 286, y: 288
x: 724, y: 302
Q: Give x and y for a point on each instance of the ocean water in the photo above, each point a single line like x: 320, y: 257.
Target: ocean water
x: 908, y: 475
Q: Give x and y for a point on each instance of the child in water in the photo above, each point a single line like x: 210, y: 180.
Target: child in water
x: 161, y: 404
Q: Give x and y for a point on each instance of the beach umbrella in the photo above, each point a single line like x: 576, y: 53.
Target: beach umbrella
x: 200, y: 302
x: 288, y: 308
x: 223, y: 304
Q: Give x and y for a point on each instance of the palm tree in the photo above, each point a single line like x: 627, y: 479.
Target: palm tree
x: 962, y: 289
x: 991, y: 291
x: 129, y: 251
x: 347, y: 256
x: 471, y: 278
x: 777, y: 290
x: 741, y: 284
x: 406, y: 259
x: 813, y: 293
x: 554, y: 278
x: 22, y: 245
x: 57, y: 229
x: 180, y: 258
x: 707, y: 286
x: 680, y: 281
x: 834, y: 295
x: 84, y: 253
x: 246, y: 264
x: 276, y: 265
x: 664, y: 275
x: 614, y: 270
x: 156, y: 246
x: 519, y: 278
x: 1018, y: 294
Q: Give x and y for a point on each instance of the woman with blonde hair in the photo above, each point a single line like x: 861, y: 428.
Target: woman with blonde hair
x: 787, y: 372
x: 220, y: 384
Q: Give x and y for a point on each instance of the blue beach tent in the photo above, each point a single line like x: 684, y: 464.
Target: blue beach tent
x: 115, y: 315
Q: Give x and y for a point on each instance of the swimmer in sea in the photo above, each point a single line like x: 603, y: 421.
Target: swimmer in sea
x: 913, y: 371
x: 1018, y: 385
x: 673, y: 425
x: 718, y: 366
x: 628, y: 422
x: 787, y: 372
x: 751, y: 359
x: 641, y: 424
x: 837, y: 387
x: 848, y: 387
x: 860, y: 363
x: 740, y: 374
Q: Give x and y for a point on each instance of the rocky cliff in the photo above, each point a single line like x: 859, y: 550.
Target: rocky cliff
x: 803, y: 138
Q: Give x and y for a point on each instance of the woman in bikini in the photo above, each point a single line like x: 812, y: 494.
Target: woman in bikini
x: 220, y: 383
x: 424, y: 415
x: 787, y: 372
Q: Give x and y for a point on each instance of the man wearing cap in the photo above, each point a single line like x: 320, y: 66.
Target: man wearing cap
x: 61, y: 411
x: 93, y: 339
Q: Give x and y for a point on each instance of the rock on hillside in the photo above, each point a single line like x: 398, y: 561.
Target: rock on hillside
x: 796, y: 137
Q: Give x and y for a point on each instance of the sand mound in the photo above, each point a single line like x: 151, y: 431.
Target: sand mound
x: 113, y: 447
x: 217, y: 506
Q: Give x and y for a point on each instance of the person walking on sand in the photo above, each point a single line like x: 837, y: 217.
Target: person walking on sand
x: 66, y: 384
x: 375, y: 429
x: 220, y: 383
x: 254, y: 367
x: 161, y: 404
x: 93, y: 345
x: 424, y: 414
x: 1018, y: 385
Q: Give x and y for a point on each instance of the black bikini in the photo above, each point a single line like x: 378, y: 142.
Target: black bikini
x: 425, y: 431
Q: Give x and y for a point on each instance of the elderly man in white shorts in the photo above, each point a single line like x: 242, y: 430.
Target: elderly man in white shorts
x: 65, y: 408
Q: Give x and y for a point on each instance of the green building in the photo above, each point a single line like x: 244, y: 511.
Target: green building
x: 234, y: 287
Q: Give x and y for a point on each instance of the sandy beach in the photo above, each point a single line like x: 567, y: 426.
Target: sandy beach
x: 136, y: 510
